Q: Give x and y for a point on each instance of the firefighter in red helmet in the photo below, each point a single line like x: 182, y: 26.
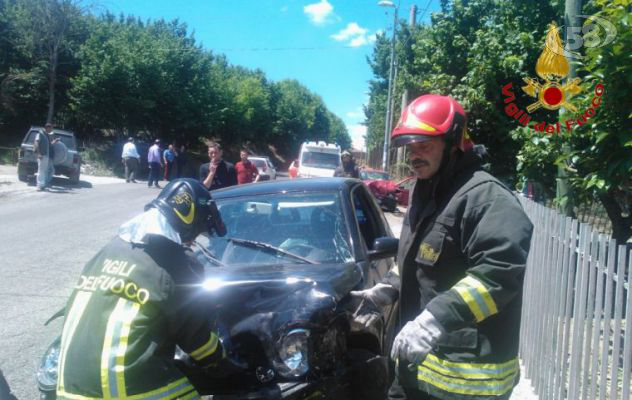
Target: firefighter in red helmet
x: 460, y: 265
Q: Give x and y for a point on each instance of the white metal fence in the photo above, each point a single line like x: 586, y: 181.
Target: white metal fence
x: 576, y: 338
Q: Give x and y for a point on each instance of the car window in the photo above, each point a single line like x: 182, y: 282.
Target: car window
x: 320, y: 160
x: 374, y: 175
x: 310, y: 225
x: 258, y: 162
x: 30, y: 138
x: 69, y: 141
x: 366, y: 216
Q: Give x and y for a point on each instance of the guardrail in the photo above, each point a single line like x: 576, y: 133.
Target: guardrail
x: 576, y: 338
x: 9, y: 155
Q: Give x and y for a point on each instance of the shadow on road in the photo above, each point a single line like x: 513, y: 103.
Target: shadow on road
x: 63, y: 185
x: 5, y: 392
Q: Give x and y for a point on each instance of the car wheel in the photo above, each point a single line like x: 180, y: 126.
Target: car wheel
x: 75, y: 177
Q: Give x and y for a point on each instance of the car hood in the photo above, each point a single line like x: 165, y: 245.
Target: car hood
x: 267, y: 300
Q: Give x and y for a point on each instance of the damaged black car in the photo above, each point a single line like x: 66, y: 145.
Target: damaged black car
x: 279, y: 283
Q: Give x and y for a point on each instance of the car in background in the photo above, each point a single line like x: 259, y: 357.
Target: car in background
x: 66, y: 160
x: 265, y: 167
x: 279, y: 283
x: 318, y: 160
x: 388, y: 192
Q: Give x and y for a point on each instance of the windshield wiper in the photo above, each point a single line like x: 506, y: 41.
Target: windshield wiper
x: 209, y: 255
x: 268, y: 247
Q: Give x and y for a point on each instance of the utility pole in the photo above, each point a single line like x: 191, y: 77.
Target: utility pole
x: 401, y: 151
x: 387, y: 122
x: 572, y: 24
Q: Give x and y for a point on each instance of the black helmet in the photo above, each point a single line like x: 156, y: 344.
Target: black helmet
x: 188, y: 207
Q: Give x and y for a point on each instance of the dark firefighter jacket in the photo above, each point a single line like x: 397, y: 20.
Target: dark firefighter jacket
x: 131, y: 306
x: 462, y: 254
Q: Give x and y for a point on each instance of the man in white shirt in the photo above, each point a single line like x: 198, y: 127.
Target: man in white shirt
x: 131, y: 159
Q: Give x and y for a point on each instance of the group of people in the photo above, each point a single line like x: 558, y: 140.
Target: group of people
x: 458, y: 280
x: 172, y: 162
x: 215, y: 174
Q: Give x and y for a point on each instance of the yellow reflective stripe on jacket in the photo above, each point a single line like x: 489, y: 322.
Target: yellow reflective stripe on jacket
x: 114, y: 348
x: 477, y: 298
x: 176, y: 390
x: 171, y: 391
x: 70, y: 325
x: 483, y: 379
x: 62, y: 395
x: 471, y: 370
x: 207, y: 348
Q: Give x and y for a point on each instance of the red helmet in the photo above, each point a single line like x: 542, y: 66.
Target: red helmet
x: 430, y: 116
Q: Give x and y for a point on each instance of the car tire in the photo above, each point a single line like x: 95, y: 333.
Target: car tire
x: 22, y: 176
x: 75, y: 177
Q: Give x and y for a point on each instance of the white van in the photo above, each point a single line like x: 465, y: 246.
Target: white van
x: 318, y: 159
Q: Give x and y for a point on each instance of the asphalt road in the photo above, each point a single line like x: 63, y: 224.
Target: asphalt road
x: 45, y: 239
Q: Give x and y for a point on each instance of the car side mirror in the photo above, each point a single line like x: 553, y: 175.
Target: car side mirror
x: 384, y: 247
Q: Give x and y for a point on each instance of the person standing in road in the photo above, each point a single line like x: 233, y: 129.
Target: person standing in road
x: 138, y: 299
x: 181, y: 162
x: 348, y: 168
x: 247, y: 172
x: 169, y: 157
x: 131, y: 159
x: 154, y: 159
x: 42, y: 146
x: 462, y: 254
x: 218, y: 173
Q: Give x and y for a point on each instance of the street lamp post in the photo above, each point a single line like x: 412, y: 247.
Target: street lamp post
x: 389, y: 107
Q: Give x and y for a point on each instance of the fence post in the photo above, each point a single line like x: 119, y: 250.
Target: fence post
x: 579, y: 312
x: 627, y: 350
x: 598, y: 318
x: 572, y: 260
x: 618, y: 316
x: 607, y: 316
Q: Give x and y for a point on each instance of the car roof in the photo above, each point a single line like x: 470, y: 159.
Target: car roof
x: 55, y: 131
x: 291, y: 185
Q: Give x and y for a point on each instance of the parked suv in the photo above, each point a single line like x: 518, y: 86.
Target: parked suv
x: 69, y: 166
x: 266, y: 168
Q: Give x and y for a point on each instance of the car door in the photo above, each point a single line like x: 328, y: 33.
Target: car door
x: 371, y: 224
x: 271, y: 169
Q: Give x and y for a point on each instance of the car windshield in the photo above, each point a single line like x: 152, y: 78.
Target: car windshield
x: 374, y: 175
x: 320, y: 160
x: 69, y: 141
x: 282, y: 228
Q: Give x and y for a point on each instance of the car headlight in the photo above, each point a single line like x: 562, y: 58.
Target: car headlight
x: 47, y: 372
x: 293, y: 351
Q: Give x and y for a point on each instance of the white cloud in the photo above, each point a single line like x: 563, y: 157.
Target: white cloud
x: 357, y: 133
x: 357, y: 114
x: 354, y: 35
x: 352, y: 30
x: 319, y: 13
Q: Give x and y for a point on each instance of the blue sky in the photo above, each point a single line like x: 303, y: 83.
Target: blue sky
x: 321, y: 43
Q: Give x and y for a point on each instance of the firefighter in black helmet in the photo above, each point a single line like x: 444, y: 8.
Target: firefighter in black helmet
x: 137, y: 299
